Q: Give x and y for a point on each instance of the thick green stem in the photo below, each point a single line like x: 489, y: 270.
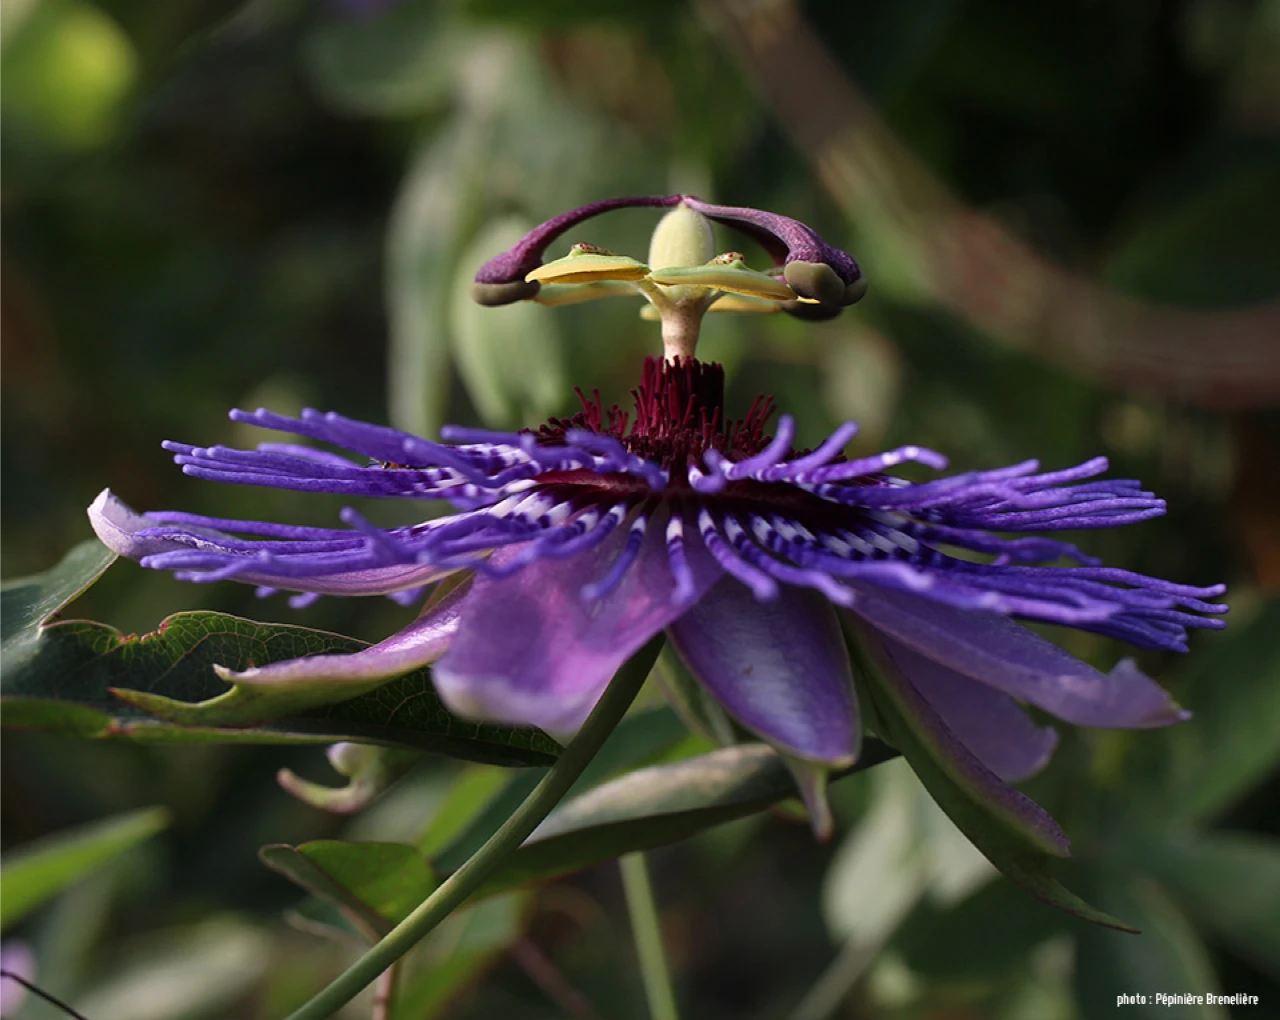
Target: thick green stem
x: 647, y: 932
x: 514, y: 831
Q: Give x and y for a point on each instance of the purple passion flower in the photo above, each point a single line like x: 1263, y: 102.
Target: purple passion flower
x: 588, y: 537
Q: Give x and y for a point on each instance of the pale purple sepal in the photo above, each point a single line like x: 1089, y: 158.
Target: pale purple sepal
x: 996, y: 651
x: 123, y: 530
x: 961, y: 764
x: 15, y: 958
x: 419, y: 644
x: 780, y: 668
x: 532, y: 651
x: 990, y: 724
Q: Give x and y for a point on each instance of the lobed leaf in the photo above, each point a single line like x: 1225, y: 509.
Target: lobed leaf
x: 88, y: 680
x: 27, y: 602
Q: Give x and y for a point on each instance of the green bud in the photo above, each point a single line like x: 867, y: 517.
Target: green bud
x: 682, y: 238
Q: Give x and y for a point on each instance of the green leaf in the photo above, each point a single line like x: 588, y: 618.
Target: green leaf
x: 468, y: 796
x: 1232, y: 686
x: 1229, y: 883
x: 640, y: 739
x: 27, y: 602
x: 319, y: 917
x: 1010, y: 840
x: 41, y: 870
x: 375, y: 885
x: 79, y: 672
x: 510, y: 358
x: 1168, y: 957
x: 656, y: 805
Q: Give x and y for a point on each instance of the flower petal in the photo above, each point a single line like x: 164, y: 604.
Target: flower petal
x: 125, y: 531
x: 1005, y: 655
x: 418, y: 644
x: 532, y: 651
x: 943, y: 761
x: 990, y: 724
x: 780, y: 668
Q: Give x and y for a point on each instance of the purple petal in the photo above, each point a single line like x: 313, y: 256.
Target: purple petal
x: 950, y: 754
x: 990, y: 724
x: 531, y: 651
x: 419, y: 644
x: 123, y: 530
x: 780, y: 668
x: 1005, y: 655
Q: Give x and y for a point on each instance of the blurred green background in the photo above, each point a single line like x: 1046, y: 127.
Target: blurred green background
x: 1069, y: 215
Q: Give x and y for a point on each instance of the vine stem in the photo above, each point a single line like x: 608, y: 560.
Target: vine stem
x: 647, y: 932
x: 455, y: 889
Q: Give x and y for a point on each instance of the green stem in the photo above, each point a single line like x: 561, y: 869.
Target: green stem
x: 648, y: 936
x: 515, y: 830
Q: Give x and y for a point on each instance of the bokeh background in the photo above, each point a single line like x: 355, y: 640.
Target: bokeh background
x: 1069, y: 215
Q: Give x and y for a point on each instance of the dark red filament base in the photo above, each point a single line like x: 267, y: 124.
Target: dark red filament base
x: 679, y: 416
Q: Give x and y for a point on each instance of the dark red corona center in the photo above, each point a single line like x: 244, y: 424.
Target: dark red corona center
x: 679, y: 416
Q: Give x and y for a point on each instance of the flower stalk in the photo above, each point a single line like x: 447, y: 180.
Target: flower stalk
x: 455, y: 889
x: 647, y: 932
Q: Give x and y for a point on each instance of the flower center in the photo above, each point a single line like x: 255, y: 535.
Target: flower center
x: 678, y: 417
